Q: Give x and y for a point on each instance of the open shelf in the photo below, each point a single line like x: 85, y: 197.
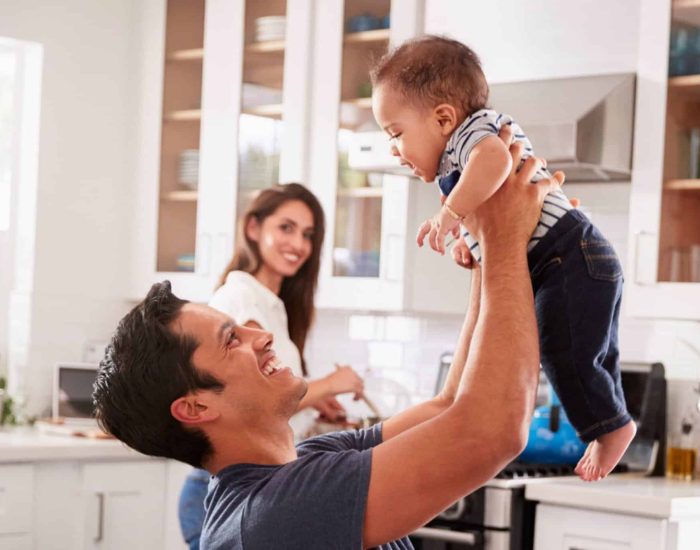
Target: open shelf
x: 683, y: 185
x: 689, y: 83
x: 194, y: 54
x: 360, y: 102
x: 361, y: 192
x: 189, y: 195
x: 686, y: 11
x: 367, y: 37
x: 184, y: 115
x: 269, y: 111
x: 272, y: 46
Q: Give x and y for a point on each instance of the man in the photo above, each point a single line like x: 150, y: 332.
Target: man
x: 184, y: 381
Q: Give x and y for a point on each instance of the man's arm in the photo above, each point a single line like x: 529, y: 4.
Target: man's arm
x: 458, y: 450
x: 431, y: 408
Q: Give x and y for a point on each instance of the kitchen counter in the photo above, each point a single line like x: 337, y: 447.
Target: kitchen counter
x: 30, y: 445
x: 639, y: 496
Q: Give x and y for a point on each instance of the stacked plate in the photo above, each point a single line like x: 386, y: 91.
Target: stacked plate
x: 188, y: 168
x: 269, y: 28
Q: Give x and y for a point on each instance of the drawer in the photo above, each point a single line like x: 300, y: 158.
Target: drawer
x: 16, y: 494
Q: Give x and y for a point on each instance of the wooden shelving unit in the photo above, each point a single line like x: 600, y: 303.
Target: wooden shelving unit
x: 360, y: 102
x: 193, y: 54
x: 184, y: 115
x: 687, y: 11
x: 269, y: 111
x: 367, y: 37
x: 273, y: 46
x: 180, y: 196
x: 361, y: 192
x: 683, y: 185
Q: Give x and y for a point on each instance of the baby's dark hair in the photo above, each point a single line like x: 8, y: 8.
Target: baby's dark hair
x: 430, y: 70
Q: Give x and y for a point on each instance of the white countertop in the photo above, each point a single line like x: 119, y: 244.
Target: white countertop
x: 640, y: 496
x: 29, y: 445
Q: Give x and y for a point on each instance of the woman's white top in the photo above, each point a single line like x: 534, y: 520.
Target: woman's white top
x: 246, y: 299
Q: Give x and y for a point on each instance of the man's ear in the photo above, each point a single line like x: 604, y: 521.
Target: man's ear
x: 252, y: 229
x: 190, y: 409
x: 446, y: 117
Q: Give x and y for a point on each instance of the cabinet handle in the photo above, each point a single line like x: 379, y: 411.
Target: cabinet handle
x: 100, y: 516
x: 430, y: 533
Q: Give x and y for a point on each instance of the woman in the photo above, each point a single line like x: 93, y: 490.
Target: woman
x: 270, y: 284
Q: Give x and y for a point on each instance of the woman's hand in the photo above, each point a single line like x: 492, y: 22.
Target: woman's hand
x: 345, y: 380
x: 330, y: 409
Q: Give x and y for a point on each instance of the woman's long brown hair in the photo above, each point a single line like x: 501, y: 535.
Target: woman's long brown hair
x: 297, y: 292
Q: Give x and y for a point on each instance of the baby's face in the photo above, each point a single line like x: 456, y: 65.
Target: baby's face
x: 415, y: 134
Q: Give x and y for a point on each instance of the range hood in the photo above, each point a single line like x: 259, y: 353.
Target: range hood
x: 583, y: 126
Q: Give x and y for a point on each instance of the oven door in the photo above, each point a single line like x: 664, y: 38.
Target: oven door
x: 459, y: 538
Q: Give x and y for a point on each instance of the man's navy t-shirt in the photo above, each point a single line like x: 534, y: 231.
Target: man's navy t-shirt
x: 315, y: 502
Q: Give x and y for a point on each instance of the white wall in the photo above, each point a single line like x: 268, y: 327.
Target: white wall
x: 84, y: 191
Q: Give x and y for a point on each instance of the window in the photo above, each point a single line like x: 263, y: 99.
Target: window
x: 7, y: 111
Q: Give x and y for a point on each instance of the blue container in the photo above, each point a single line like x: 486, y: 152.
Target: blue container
x: 361, y: 23
x: 552, y: 439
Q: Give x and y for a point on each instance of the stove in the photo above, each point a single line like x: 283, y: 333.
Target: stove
x: 498, y: 517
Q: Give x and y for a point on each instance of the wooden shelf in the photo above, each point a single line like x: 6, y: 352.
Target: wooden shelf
x: 362, y: 192
x: 196, y: 54
x: 687, y: 82
x: 367, y: 37
x: 180, y: 196
x: 269, y: 111
x: 686, y: 11
x: 682, y: 185
x: 361, y: 102
x: 185, y: 115
x: 273, y: 46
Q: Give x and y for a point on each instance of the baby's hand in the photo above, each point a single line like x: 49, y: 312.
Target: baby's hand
x: 462, y: 256
x: 436, y: 228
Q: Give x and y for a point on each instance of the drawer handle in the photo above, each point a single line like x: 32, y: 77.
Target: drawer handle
x: 100, y: 516
x: 431, y: 533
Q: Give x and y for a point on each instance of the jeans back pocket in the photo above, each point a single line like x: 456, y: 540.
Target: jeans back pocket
x: 601, y: 260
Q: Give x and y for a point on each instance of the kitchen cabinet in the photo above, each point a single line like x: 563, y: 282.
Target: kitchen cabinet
x: 370, y: 258
x: 664, y: 273
x: 559, y: 528
x: 277, y: 107
x: 621, y: 511
x: 123, y: 505
x: 16, y: 486
x: 90, y: 505
x: 222, y: 115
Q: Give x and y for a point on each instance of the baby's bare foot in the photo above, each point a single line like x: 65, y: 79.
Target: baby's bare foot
x: 603, y: 454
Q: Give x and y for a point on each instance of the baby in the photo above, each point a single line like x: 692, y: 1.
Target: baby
x: 430, y: 96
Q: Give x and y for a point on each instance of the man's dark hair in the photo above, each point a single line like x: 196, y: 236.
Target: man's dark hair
x: 146, y: 367
x: 430, y: 70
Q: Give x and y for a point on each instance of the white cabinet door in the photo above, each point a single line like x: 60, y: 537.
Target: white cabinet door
x: 648, y: 293
x: 123, y: 505
x: 16, y: 497
x: 370, y: 259
x: 561, y: 528
x: 16, y: 542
